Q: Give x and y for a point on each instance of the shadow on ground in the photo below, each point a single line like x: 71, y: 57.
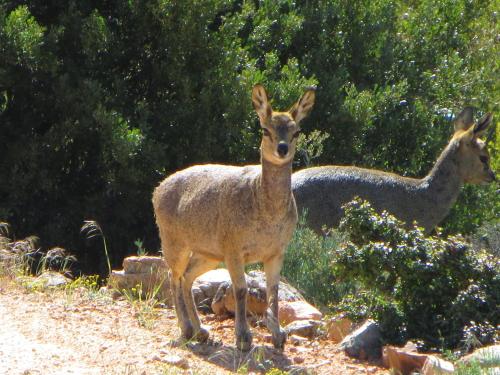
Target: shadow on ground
x: 260, y: 358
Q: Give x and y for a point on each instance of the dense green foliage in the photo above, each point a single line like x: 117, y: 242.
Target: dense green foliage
x: 437, y: 290
x: 308, y: 266
x: 99, y: 100
x: 442, y: 293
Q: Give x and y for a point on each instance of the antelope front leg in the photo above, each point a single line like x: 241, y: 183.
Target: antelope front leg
x: 236, y: 269
x: 272, y: 269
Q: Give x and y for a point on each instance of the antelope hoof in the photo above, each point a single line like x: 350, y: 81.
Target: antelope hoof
x: 187, y: 333
x: 244, y: 341
x: 279, y: 339
x: 202, y: 335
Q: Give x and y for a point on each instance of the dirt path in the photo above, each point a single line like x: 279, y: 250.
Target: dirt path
x: 87, y: 333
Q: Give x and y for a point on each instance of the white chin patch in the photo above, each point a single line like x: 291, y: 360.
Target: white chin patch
x: 281, y: 160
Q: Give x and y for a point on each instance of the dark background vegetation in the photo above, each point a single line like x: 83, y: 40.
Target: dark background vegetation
x: 100, y: 100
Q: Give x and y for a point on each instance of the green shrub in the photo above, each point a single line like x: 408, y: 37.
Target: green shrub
x: 307, y: 265
x: 488, y: 237
x: 432, y: 289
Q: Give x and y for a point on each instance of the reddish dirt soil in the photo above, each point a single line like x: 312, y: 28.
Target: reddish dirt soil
x: 78, y: 332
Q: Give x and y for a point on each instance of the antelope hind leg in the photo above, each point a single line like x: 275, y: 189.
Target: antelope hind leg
x: 177, y: 259
x: 187, y: 329
x: 197, y: 266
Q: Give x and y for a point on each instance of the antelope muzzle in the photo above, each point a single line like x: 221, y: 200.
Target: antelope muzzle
x: 282, y: 149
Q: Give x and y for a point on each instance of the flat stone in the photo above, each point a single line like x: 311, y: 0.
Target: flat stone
x: 290, y: 311
x: 150, y: 285
x: 364, y: 343
x: 437, y: 366
x: 304, y: 328
x: 410, y: 347
x: 296, y: 340
x: 144, y: 264
x: 209, y: 282
x: 337, y: 328
x: 256, y: 301
x: 223, y: 301
x: 205, y: 287
x: 53, y: 279
x: 403, y: 360
x: 286, y: 292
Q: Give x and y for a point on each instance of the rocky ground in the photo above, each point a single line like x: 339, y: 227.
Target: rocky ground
x: 81, y: 331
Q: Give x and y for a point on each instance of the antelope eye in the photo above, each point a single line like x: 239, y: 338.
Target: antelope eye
x: 296, y: 134
x: 484, y: 159
x: 266, y: 132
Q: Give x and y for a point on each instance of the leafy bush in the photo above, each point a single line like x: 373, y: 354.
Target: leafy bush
x: 488, y: 237
x: 433, y: 289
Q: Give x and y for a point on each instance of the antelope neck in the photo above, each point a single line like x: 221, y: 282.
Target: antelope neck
x: 444, y: 181
x: 275, y: 184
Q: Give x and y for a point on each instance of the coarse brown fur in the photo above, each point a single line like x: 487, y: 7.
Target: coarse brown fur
x: 323, y: 190
x: 239, y: 215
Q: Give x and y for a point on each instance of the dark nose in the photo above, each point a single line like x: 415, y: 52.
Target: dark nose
x: 282, y: 149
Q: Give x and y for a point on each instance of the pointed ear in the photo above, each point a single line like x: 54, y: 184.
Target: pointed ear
x: 464, y: 119
x: 261, y: 104
x: 303, y: 106
x: 481, y: 126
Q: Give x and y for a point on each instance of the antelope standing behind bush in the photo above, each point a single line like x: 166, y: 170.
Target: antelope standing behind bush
x: 323, y: 190
x: 212, y: 213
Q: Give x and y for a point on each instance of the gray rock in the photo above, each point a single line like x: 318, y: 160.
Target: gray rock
x: 150, y: 285
x: 365, y: 342
x: 437, y: 366
x: 303, y: 328
x: 209, y: 282
x: 286, y: 292
x: 53, y: 279
x: 218, y: 304
x: 151, y: 273
x: 212, y: 291
x: 206, y: 286
x: 296, y: 340
x: 144, y: 264
x: 223, y: 301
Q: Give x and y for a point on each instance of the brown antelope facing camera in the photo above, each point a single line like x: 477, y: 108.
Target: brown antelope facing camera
x: 323, y: 190
x: 239, y: 215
